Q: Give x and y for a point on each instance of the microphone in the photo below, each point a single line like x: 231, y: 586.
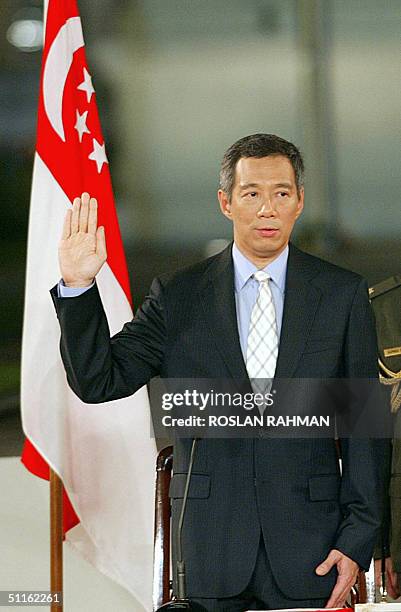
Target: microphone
x: 181, y: 602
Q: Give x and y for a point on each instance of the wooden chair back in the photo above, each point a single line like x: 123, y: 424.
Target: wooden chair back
x: 161, y: 553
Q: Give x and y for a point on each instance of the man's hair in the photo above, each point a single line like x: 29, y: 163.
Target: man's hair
x: 259, y: 145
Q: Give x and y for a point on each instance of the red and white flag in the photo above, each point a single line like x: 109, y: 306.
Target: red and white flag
x: 103, y: 453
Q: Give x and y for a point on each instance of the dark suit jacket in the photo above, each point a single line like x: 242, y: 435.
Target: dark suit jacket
x: 291, y: 490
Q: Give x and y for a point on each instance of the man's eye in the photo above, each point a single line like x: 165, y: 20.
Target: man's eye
x: 252, y: 194
x: 283, y: 194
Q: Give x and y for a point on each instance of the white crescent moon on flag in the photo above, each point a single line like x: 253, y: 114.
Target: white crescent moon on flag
x: 68, y: 40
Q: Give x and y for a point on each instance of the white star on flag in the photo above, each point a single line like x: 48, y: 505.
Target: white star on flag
x: 98, y: 155
x: 81, y: 126
x: 86, y: 85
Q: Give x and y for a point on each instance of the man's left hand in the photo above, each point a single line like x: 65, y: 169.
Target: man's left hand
x: 347, y: 574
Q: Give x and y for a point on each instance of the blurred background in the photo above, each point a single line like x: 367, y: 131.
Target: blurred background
x: 177, y: 82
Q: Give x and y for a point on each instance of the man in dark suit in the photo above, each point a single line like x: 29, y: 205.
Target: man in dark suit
x: 270, y: 522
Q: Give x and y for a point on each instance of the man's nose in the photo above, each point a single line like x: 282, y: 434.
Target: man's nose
x: 267, y: 209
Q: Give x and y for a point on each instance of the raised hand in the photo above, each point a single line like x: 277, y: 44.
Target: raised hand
x: 82, y: 248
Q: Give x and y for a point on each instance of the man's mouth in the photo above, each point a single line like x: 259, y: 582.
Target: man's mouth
x: 267, y: 231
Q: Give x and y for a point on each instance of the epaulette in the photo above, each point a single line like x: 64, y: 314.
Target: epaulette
x: 385, y: 298
x: 387, y: 285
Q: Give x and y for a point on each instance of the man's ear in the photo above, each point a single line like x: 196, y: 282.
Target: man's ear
x: 300, y: 205
x: 224, y: 202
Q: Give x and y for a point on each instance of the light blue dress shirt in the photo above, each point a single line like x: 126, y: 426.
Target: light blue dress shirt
x: 64, y: 291
x: 246, y: 290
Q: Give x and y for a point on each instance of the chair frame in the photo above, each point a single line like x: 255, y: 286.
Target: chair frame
x: 162, y: 584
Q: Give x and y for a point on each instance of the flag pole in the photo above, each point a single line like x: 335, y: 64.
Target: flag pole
x: 56, y: 495
x: 56, y: 538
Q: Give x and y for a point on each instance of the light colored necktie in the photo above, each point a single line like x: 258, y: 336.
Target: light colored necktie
x: 262, y: 348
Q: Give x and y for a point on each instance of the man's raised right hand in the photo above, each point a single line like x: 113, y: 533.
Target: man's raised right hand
x: 82, y: 248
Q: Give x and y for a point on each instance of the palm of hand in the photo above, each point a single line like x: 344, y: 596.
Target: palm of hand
x: 82, y: 248
x: 78, y: 257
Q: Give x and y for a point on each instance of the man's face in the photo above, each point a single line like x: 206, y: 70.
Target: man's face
x: 264, y: 206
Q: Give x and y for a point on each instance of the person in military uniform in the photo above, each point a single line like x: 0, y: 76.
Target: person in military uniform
x: 386, y: 301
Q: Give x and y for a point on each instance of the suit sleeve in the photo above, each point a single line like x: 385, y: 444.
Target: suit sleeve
x: 100, y: 368
x: 363, y: 459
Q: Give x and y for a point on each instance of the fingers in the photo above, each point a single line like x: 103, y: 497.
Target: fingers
x: 391, y: 578
x: 338, y: 602
x: 76, y: 205
x: 332, y: 558
x: 392, y: 592
x: 347, y: 574
x: 392, y: 584
x: 340, y: 592
x: 395, y: 593
x: 67, y: 225
x: 92, y: 217
x: 83, y: 216
x: 84, y: 213
x: 101, y: 243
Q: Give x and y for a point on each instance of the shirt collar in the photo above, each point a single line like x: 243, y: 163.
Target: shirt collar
x: 243, y: 269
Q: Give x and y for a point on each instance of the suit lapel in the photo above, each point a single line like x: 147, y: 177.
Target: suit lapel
x: 301, y: 301
x: 218, y: 301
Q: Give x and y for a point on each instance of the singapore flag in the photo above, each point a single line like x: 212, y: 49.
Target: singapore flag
x: 103, y: 453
